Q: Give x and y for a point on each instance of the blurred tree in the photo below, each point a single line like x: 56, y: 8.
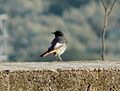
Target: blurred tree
x: 31, y: 21
x: 106, y: 5
x: 58, y: 6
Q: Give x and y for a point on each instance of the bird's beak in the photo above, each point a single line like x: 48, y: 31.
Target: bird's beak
x: 52, y: 32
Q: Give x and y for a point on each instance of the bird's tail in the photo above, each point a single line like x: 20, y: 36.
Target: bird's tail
x: 44, y: 54
x: 50, y: 52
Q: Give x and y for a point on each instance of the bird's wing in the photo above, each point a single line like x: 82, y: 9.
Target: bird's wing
x: 50, y: 52
x: 58, y: 45
x: 57, y: 42
x: 52, y: 44
x: 55, y: 46
x: 57, y: 49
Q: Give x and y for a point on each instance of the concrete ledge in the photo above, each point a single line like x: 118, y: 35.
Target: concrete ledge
x: 60, y: 76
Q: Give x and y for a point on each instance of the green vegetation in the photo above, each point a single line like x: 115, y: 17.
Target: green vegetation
x: 31, y: 22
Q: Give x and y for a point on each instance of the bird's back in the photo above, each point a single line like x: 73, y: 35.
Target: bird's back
x: 57, y: 42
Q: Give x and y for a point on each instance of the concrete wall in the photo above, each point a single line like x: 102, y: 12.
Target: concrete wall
x: 54, y: 76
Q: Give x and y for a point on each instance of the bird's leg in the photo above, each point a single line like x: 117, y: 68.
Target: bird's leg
x: 60, y: 58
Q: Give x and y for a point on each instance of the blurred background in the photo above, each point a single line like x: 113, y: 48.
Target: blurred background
x: 26, y: 26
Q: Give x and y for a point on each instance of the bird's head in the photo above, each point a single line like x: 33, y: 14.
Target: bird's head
x: 57, y: 33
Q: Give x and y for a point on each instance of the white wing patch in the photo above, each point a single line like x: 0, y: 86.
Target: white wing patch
x: 58, y: 45
x: 62, y: 46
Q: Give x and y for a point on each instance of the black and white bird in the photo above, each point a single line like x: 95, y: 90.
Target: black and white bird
x: 58, y: 45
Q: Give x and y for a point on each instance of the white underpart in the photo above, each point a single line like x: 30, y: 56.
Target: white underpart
x: 62, y: 48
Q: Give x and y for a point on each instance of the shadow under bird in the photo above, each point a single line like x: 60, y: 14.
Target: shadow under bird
x: 58, y: 45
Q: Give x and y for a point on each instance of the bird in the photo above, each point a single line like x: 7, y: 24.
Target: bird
x: 57, y: 46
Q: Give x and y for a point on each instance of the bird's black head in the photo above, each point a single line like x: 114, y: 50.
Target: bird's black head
x: 57, y: 33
